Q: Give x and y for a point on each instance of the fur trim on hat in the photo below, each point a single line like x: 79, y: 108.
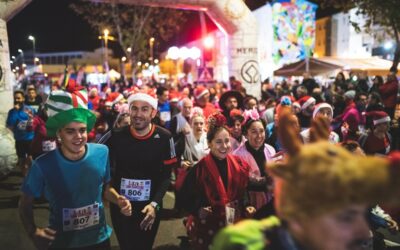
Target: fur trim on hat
x: 143, y: 97
x: 320, y: 106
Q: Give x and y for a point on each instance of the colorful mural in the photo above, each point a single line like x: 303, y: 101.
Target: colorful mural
x: 293, y: 30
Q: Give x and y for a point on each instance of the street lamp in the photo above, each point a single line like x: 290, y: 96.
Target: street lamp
x: 32, y: 38
x: 106, y: 37
x: 151, y: 42
x: 22, y: 56
x: 106, y: 32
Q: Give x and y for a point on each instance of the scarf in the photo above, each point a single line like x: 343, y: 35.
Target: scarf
x: 237, y: 175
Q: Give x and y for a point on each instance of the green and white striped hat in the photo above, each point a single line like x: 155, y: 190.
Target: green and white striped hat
x: 64, y: 107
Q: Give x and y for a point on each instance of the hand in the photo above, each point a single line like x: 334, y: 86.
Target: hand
x: 42, y: 237
x: 392, y: 225
x: 186, y: 164
x: 148, y: 220
x: 278, y: 157
x: 250, y: 211
x: 125, y: 205
x: 204, y: 212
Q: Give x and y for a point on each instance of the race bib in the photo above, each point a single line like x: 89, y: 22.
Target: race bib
x: 136, y: 190
x: 165, y: 116
x: 80, y: 218
x: 22, y: 125
x: 48, y: 145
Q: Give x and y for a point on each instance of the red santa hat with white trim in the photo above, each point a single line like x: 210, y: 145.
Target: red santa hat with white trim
x: 378, y: 117
x: 306, y: 101
x: 320, y: 106
x: 296, y: 104
x: 200, y: 91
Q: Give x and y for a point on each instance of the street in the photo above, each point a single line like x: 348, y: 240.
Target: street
x: 14, y: 237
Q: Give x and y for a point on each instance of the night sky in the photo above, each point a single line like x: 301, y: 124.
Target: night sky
x: 57, y: 28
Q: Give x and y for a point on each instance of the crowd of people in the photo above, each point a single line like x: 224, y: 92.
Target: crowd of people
x: 293, y: 161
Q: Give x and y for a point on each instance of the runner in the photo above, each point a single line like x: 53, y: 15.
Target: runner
x: 71, y: 178
x: 214, y: 190
x: 142, y: 155
x: 19, y: 121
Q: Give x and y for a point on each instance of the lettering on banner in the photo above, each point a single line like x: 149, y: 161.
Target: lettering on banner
x: 249, y: 72
x: 245, y: 51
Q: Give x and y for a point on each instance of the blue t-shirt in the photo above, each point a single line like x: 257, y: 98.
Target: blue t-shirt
x: 69, y: 185
x: 17, y: 120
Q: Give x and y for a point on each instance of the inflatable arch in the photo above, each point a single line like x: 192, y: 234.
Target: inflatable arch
x: 232, y: 17
x: 7, y: 149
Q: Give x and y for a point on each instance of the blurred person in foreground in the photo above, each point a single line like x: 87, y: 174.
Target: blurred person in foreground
x: 322, y: 193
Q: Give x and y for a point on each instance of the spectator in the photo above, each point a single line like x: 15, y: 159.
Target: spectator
x: 377, y: 141
x: 388, y: 92
x: 230, y: 100
x: 32, y: 99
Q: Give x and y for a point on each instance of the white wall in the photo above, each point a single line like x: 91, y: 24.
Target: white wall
x: 346, y: 42
x: 265, y: 38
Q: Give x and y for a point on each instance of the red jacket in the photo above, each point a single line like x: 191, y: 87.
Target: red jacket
x: 388, y: 92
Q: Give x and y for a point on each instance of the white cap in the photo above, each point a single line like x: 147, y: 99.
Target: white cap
x: 143, y: 97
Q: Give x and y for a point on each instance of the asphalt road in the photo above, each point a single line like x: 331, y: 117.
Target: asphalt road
x: 13, y: 236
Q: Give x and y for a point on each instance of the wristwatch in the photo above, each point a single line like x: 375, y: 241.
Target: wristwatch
x: 155, y: 205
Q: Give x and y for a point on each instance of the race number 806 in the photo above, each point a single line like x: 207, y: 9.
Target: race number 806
x: 132, y: 192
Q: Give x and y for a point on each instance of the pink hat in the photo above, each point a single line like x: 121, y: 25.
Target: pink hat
x: 306, y: 101
x: 200, y: 91
x: 320, y: 106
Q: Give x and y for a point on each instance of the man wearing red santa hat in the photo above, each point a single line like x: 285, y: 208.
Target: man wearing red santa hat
x: 378, y: 140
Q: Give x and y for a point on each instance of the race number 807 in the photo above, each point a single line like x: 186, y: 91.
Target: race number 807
x: 81, y: 220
